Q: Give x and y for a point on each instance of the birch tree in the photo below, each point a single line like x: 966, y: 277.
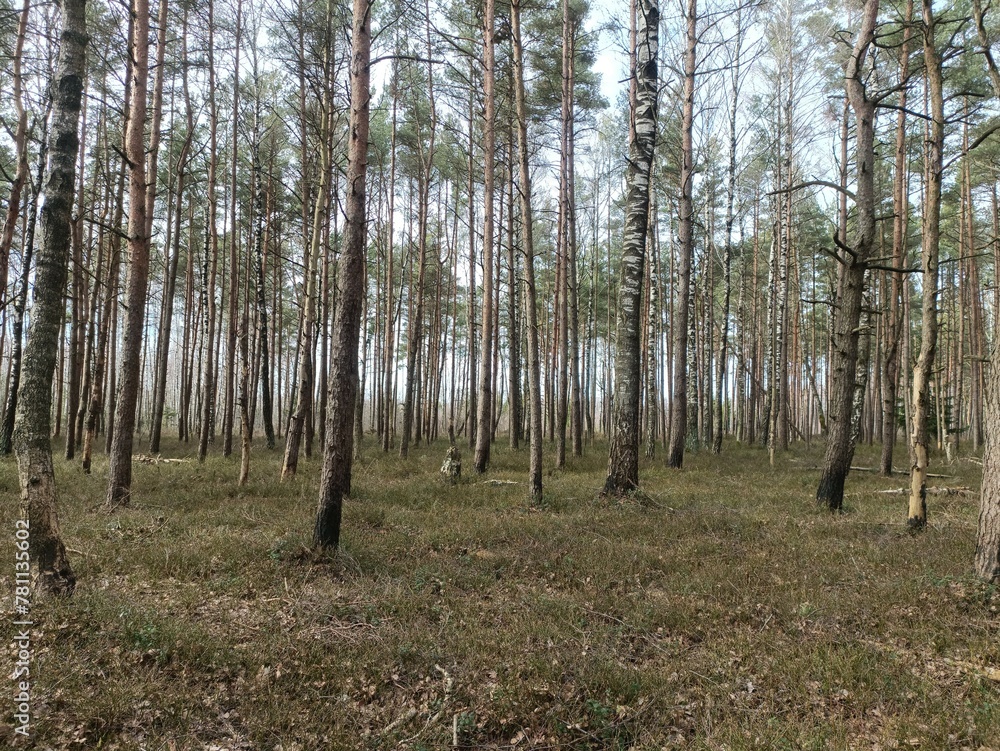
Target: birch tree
x: 623, y: 458
x: 32, y: 441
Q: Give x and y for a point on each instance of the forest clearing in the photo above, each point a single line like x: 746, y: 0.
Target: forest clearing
x: 721, y: 609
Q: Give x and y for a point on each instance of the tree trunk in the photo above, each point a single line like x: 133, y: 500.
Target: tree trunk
x: 338, y: 454
x: 484, y: 423
x: 846, y: 330
x: 306, y: 370
x: 535, y: 435
x: 120, y: 460
x: 21, y: 147
x: 77, y: 305
x: 890, y: 371
x: 987, y: 562
x: 623, y: 458
x: 32, y: 440
x: 229, y: 390
x: 922, y: 371
x: 727, y: 258
x: 685, y: 239
x: 211, y: 260
x: 20, y: 304
x: 100, y: 375
x: 472, y: 406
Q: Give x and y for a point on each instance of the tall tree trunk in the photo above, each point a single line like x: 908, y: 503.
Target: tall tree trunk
x: 685, y: 239
x: 389, y: 420
x: 211, y: 259
x: 173, y: 260
x: 484, y: 426
x: 572, y: 287
x: 623, y: 458
x: 120, y: 459
x: 32, y: 440
x: 20, y: 305
x: 513, y: 322
x: 922, y: 371
x: 338, y: 454
x: 535, y: 436
x: 263, y: 350
x: 229, y: 390
x: 472, y: 408
x: 727, y: 258
x: 415, y: 334
x: 306, y: 370
x: 987, y: 562
x: 900, y: 207
x: 21, y: 148
x: 846, y: 331
x: 100, y: 374
x: 77, y: 305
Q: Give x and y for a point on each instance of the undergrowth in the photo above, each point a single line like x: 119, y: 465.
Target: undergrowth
x: 718, y: 609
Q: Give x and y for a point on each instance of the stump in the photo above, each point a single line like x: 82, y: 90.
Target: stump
x: 452, y: 466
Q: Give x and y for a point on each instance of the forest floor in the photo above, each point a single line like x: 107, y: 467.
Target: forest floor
x: 719, y: 610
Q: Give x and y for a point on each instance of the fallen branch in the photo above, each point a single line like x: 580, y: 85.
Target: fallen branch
x: 930, y: 491
x: 899, y: 472
x: 149, y: 459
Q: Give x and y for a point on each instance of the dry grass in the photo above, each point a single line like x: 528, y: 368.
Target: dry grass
x: 720, y: 610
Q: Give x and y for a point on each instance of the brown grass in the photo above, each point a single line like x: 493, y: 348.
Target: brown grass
x: 718, y: 610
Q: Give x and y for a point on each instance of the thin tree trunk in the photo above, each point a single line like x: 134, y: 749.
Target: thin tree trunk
x: 536, y: 435
x: 890, y: 372
x: 685, y: 238
x: 211, y: 259
x: 77, y: 304
x: 21, y: 148
x: 306, y: 371
x: 922, y: 371
x: 727, y: 258
x: 229, y: 404
x: 484, y: 432
x: 20, y: 305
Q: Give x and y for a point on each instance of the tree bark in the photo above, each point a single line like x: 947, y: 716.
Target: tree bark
x: 727, y: 258
x: 229, y: 389
x: 900, y: 207
x: 338, y: 454
x: 685, y: 239
x: 120, y: 459
x: 922, y: 371
x: 846, y: 330
x: 987, y: 562
x: 484, y: 423
x: 210, y: 261
x: 32, y: 439
x: 535, y: 435
x: 623, y: 458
